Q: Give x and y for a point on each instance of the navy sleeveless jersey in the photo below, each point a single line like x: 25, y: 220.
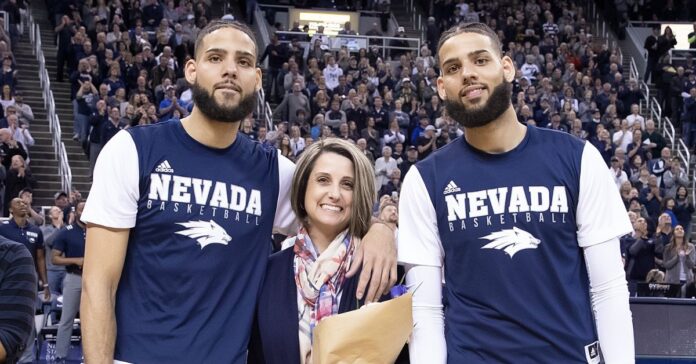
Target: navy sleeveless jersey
x: 198, y: 250
x: 517, y: 288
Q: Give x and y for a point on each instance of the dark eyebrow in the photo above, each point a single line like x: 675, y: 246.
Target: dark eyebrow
x: 471, y: 54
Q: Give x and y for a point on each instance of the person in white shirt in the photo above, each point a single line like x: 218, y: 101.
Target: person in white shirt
x: 623, y: 137
x: 384, y: 166
x: 297, y: 142
x: 331, y: 73
x: 617, y: 172
x: 635, y: 117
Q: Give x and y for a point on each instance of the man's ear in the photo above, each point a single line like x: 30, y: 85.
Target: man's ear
x: 509, y: 69
x: 190, y: 71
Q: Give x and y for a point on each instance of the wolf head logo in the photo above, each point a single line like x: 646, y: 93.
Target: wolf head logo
x: 511, y: 241
x: 205, y: 232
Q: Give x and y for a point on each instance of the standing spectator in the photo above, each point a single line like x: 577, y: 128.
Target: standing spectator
x: 427, y: 142
x: 291, y: 104
x: 19, y: 133
x: 665, y: 42
x: 335, y: 117
x: 650, y: 46
x: 17, y: 297
x: 623, y: 137
x: 27, y: 195
x: 689, y: 119
x: 371, y: 136
x: 331, y: 73
x: 162, y: 71
x: 679, y: 258
x: 66, y: 30
x: 24, y: 112
x: 653, y: 139
x: 683, y: 208
x: 393, y: 135
x: 9, y: 148
x: 153, y: 13
x: 20, y: 230
x: 297, y: 142
x: 617, y: 172
x: 674, y: 177
x: 55, y: 273
x: 640, y: 256
x: 277, y: 54
x: 635, y: 117
x: 69, y: 251
x: 660, y: 165
x: 98, y: 118
x: 384, y: 167
x: 170, y: 104
x: 18, y: 178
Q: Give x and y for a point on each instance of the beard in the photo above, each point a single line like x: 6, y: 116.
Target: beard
x: 206, y: 103
x: 497, y: 103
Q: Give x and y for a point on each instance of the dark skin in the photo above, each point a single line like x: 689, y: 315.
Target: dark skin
x: 20, y: 212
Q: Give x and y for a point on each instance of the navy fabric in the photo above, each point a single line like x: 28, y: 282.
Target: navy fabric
x: 197, y: 254
x: 29, y: 235
x: 504, y: 305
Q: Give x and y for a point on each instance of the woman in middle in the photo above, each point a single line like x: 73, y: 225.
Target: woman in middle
x: 332, y: 195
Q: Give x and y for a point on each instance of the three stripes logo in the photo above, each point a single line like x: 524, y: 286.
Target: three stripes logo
x: 451, y: 188
x: 164, y: 167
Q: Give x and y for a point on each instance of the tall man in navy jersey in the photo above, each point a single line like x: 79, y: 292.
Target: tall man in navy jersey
x: 180, y: 217
x: 525, y: 223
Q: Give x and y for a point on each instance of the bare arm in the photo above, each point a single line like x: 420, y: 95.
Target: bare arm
x: 105, y: 252
x: 59, y: 259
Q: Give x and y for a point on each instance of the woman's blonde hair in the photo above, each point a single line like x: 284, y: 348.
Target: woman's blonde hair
x: 655, y: 276
x: 364, y: 194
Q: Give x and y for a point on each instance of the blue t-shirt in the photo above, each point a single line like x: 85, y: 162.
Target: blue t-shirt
x: 200, y: 223
x: 509, y: 229
x: 29, y: 235
x: 71, y: 241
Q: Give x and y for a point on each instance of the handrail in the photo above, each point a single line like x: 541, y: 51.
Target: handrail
x: 656, y: 111
x: 669, y: 132
x: 49, y: 104
x: 684, y: 155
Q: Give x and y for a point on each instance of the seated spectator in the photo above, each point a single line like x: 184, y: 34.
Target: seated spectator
x: 617, y: 172
x: 393, y: 186
x: 384, y: 167
x: 623, y: 137
x: 393, y: 135
x: 297, y: 142
x: 19, y: 177
x: 371, y: 136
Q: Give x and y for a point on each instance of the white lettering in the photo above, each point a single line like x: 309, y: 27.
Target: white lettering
x: 254, y: 206
x: 538, y: 198
x: 456, y: 209
x: 159, y: 187
x: 559, y: 200
x: 179, y: 191
x: 238, y: 198
x: 518, y: 200
x: 201, y: 189
x: 477, y: 204
x: 219, y: 198
x: 497, y: 196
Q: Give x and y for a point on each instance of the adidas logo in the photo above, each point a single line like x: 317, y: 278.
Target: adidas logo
x: 164, y: 167
x: 451, y: 188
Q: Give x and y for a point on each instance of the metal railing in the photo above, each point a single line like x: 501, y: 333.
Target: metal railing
x: 49, y: 104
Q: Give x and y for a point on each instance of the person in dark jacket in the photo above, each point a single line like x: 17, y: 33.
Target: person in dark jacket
x: 332, y: 194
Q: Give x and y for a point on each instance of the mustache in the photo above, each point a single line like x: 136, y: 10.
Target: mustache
x: 227, y: 84
x: 466, y: 88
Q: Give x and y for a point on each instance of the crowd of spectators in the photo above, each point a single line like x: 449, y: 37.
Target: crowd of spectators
x: 567, y: 80
x: 124, y: 61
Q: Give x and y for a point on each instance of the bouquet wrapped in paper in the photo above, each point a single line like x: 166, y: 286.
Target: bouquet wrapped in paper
x: 375, y: 333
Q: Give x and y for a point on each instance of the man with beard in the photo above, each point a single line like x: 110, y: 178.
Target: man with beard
x: 179, y: 221
x: 525, y: 222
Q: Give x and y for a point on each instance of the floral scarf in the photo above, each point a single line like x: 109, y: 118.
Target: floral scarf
x: 319, y: 280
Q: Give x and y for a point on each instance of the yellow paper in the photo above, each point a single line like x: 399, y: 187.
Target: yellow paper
x: 373, y: 334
